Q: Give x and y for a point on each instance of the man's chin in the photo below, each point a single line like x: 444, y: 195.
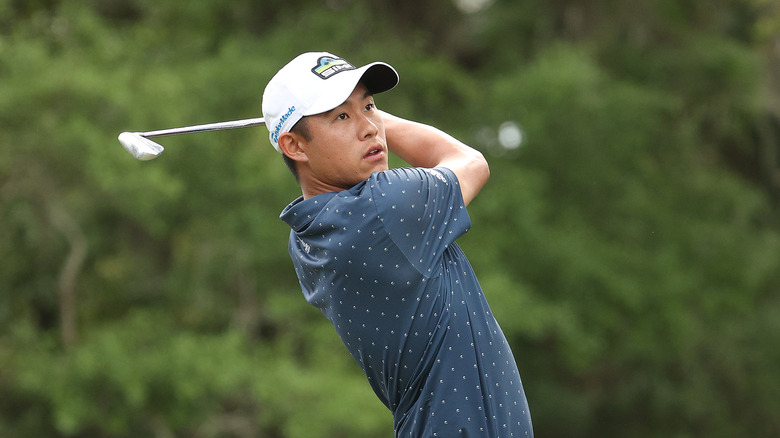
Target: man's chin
x: 378, y: 167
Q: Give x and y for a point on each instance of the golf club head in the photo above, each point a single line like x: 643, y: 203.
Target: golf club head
x: 139, y: 146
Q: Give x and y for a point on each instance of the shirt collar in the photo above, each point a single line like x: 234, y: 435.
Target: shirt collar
x: 301, y: 212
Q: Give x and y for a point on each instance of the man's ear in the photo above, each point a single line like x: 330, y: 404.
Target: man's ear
x: 293, y: 145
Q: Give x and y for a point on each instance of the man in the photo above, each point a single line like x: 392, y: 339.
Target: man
x: 374, y: 249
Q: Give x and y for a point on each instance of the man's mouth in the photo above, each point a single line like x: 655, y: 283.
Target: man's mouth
x: 374, y: 151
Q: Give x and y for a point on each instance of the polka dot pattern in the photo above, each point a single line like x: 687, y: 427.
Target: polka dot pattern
x: 381, y: 263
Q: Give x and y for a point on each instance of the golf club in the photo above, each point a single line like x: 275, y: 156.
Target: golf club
x: 140, y: 147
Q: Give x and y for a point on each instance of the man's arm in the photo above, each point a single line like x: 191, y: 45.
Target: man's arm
x: 425, y: 146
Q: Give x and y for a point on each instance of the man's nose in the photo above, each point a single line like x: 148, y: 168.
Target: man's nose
x: 368, y: 127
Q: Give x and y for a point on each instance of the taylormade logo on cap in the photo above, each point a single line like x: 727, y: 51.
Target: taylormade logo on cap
x: 316, y: 82
x: 278, y: 127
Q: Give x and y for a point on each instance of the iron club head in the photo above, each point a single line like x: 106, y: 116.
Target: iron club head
x: 139, y: 146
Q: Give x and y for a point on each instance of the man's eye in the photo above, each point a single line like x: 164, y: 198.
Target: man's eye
x: 342, y: 116
x: 370, y: 106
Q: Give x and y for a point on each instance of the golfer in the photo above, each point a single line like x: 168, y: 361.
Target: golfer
x: 374, y: 250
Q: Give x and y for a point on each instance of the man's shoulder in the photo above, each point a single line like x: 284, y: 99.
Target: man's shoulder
x: 403, y: 178
x: 441, y: 174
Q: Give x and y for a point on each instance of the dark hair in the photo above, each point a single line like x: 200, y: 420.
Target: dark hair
x: 301, y: 128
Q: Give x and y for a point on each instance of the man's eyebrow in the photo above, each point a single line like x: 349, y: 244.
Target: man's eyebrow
x: 366, y: 94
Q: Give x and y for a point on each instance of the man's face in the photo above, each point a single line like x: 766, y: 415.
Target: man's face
x: 347, y: 143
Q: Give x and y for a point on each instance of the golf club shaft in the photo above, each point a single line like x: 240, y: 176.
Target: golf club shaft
x: 207, y: 127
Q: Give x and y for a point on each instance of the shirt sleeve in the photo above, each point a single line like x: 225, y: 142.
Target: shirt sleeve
x: 422, y: 210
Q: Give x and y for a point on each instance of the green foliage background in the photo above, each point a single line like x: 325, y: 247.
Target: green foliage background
x: 630, y: 246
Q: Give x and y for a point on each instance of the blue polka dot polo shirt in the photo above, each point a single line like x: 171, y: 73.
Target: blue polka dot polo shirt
x: 381, y: 263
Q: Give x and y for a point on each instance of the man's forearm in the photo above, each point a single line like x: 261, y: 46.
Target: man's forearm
x: 425, y: 146
x: 418, y: 144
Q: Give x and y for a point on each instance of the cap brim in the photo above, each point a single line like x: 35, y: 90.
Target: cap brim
x: 377, y: 76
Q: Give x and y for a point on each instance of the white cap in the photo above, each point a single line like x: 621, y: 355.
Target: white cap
x: 316, y: 82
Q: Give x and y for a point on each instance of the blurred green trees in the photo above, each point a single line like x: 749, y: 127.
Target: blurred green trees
x: 629, y: 244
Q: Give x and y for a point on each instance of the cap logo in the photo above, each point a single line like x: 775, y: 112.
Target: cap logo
x: 278, y: 127
x: 328, y: 66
